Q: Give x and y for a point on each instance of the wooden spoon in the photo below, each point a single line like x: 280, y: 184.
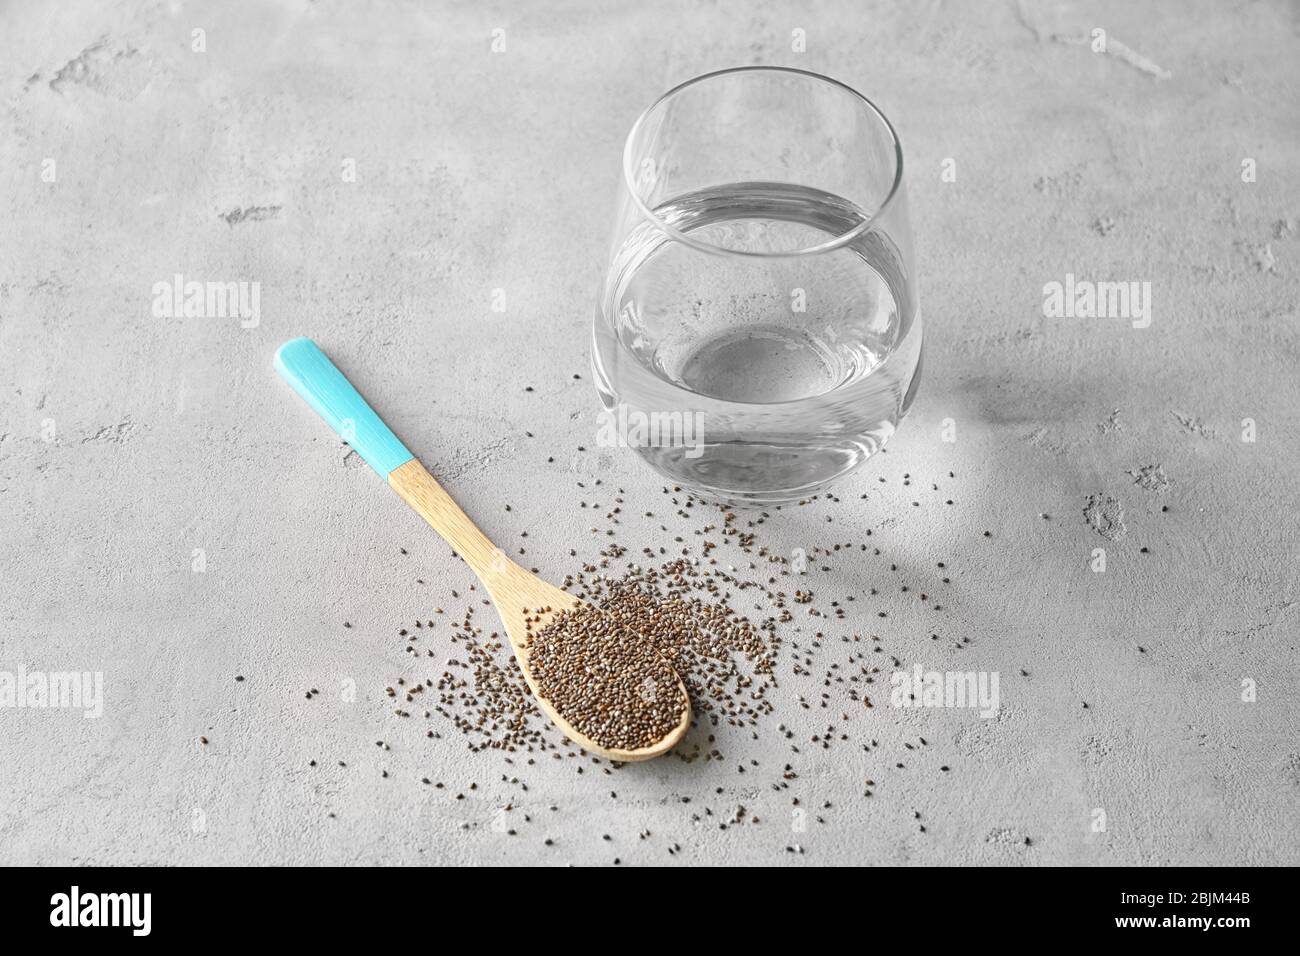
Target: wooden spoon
x: 518, y: 594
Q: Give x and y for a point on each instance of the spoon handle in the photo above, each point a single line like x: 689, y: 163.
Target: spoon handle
x: 430, y: 501
x: 303, y: 365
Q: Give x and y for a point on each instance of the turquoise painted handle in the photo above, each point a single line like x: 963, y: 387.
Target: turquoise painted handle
x: 303, y: 365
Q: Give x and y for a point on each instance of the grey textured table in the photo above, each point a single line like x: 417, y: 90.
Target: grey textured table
x: 171, y: 516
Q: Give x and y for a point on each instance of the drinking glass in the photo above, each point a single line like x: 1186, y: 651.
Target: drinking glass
x: 757, y: 334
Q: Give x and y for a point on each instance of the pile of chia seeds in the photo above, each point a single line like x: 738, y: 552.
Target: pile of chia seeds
x: 608, y: 682
x: 723, y: 628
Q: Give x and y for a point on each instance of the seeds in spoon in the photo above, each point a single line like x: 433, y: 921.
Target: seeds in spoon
x: 606, y: 681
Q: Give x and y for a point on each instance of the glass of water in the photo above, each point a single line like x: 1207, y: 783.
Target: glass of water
x: 757, y: 334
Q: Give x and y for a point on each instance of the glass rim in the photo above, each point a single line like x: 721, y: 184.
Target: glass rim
x: 829, y: 245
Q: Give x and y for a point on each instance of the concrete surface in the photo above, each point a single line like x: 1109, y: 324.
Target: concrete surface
x: 171, y: 516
